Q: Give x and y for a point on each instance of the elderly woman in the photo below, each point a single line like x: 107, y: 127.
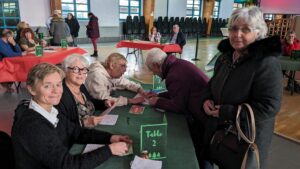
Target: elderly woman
x: 248, y: 71
x: 290, y: 43
x: 42, y: 136
x: 28, y: 41
x: 76, y: 102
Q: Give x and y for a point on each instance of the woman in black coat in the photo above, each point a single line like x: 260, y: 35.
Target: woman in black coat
x: 76, y: 103
x: 74, y: 27
x: 248, y: 71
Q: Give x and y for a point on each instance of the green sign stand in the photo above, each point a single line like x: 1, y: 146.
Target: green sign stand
x: 295, y: 55
x: 158, y: 84
x: 154, y: 139
x: 63, y: 43
x: 41, y: 35
x: 38, y: 50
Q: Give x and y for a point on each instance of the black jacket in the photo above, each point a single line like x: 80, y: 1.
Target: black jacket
x: 68, y: 107
x: 73, y: 25
x: 255, y: 79
x: 40, y: 145
x: 180, y: 39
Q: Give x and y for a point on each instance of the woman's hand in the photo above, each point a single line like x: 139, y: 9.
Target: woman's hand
x: 136, y: 100
x: 151, y: 94
x: 210, y: 109
x: 120, y: 138
x: 118, y: 148
x: 92, y: 121
x: 109, y: 103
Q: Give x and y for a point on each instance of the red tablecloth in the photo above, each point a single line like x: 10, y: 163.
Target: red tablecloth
x: 15, y: 69
x: 146, y: 45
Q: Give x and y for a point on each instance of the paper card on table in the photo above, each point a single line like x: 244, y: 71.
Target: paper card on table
x: 91, y: 147
x: 140, y: 163
x: 135, y: 109
x: 108, y: 110
x: 109, y: 119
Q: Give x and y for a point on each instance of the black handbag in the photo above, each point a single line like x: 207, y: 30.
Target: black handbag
x: 233, y: 147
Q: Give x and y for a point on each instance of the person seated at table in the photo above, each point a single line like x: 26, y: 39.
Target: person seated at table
x: 20, y: 26
x: 76, y: 101
x: 185, y: 83
x: 8, y: 46
x: 28, y: 40
x: 177, y: 36
x: 290, y: 43
x: 103, y: 78
x: 42, y: 135
x: 154, y: 36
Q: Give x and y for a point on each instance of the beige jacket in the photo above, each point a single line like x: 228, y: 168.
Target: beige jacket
x: 100, y: 84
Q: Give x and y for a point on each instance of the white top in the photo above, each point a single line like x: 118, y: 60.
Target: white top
x: 50, y: 116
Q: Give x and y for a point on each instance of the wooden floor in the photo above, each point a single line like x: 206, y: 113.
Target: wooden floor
x: 287, y: 122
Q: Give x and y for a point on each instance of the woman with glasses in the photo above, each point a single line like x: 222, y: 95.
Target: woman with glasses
x: 248, y: 71
x: 76, y: 102
x: 42, y: 136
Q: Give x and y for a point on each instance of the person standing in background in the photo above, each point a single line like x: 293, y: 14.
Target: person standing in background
x: 74, y: 27
x: 92, y: 31
x: 58, y: 29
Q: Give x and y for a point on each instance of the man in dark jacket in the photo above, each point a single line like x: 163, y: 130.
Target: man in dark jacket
x: 185, y: 83
x: 177, y: 36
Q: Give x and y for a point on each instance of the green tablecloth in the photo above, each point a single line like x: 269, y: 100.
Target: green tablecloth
x: 289, y: 64
x: 180, y: 150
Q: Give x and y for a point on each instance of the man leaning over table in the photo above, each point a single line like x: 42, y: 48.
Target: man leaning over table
x: 185, y: 83
x: 104, y: 78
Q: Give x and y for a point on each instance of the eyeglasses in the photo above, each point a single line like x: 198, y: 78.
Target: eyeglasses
x: 76, y: 69
x: 244, y: 30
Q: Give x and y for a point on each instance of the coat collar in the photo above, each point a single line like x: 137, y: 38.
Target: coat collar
x: 170, y: 59
x: 270, y: 46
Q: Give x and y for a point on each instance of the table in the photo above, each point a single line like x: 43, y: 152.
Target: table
x: 180, y: 150
x: 15, y: 69
x: 291, y: 65
x: 139, y: 45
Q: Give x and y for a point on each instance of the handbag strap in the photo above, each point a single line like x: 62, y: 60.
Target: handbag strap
x: 252, y: 133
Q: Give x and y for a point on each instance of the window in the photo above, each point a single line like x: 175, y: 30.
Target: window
x: 193, y: 8
x: 237, y: 5
x: 79, y: 8
x: 129, y: 7
x: 9, y: 14
x: 216, y: 9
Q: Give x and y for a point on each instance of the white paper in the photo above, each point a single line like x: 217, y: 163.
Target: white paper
x: 108, y: 110
x: 146, y: 102
x: 109, y: 119
x: 91, y: 147
x: 140, y: 163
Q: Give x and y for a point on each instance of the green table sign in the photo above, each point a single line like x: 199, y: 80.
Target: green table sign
x: 41, y: 35
x: 163, y: 40
x: 38, y: 50
x: 295, y: 55
x: 63, y: 43
x: 154, y: 139
x: 158, y: 84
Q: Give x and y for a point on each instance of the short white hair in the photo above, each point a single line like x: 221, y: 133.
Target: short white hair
x: 253, y: 16
x: 71, y: 59
x: 155, y: 55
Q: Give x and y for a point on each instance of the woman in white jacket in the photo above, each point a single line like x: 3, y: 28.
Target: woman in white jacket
x: 103, y: 78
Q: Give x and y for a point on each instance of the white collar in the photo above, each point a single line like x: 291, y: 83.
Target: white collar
x: 50, y: 116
